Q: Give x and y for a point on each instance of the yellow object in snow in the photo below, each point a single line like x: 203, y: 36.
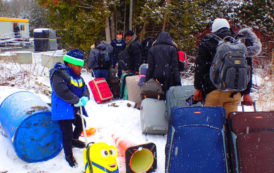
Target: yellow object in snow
x: 100, y: 158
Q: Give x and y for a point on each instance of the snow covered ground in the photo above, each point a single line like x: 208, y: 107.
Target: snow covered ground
x: 123, y: 121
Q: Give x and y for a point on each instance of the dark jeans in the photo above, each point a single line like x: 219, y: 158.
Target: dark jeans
x: 101, y: 73
x: 68, y: 132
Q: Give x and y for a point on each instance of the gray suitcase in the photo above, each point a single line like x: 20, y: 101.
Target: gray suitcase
x: 153, y: 116
x: 177, y: 96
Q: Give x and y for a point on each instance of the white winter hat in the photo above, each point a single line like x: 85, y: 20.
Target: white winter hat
x: 219, y: 23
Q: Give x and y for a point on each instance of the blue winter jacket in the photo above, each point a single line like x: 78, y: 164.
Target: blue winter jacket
x: 67, y: 89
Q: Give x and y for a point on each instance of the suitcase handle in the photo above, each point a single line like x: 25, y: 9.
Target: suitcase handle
x: 253, y: 103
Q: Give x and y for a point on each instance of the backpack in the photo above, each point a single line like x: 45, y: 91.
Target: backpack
x: 229, y: 69
x: 182, y: 60
x: 104, y: 61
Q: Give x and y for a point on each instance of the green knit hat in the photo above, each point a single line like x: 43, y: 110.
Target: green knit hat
x: 75, y: 56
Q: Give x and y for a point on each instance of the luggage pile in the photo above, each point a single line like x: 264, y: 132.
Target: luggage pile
x: 200, y: 138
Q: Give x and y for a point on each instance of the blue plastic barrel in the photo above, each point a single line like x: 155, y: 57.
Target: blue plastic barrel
x: 26, y: 120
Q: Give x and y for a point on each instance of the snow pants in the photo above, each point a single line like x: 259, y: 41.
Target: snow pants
x: 229, y: 100
x: 68, y: 132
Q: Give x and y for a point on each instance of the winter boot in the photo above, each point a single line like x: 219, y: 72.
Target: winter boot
x: 71, y: 160
x: 78, y: 144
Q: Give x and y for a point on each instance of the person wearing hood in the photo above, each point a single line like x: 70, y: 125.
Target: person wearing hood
x: 163, y: 62
x: 133, y: 47
x: 100, y: 59
x: 69, y: 93
x: 205, y: 90
x: 254, y: 48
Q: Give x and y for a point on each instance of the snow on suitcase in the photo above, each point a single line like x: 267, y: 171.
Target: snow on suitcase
x: 196, y: 142
x: 100, y: 90
x: 153, y: 116
x: 133, y: 90
x: 252, y: 137
x: 180, y: 96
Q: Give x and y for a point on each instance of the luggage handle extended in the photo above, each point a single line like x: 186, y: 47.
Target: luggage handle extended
x: 253, y: 103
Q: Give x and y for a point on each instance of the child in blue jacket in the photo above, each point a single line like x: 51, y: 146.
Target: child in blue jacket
x: 69, y: 93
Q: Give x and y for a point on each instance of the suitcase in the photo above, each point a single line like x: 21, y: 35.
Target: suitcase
x: 251, y: 141
x: 196, y: 142
x: 100, y: 90
x: 179, y: 96
x: 153, y: 116
x: 123, y: 89
x: 133, y: 90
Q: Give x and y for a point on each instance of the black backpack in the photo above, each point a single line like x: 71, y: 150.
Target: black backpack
x: 104, y: 61
x: 229, y: 69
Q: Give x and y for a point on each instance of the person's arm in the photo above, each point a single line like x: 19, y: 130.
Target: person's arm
x: 202, y: 65
x: 175, y: 66
x: 61, y: 89
x: 136, y: 56
x: 92, y: 59
x: 247, y: 99
x: 151, y: 64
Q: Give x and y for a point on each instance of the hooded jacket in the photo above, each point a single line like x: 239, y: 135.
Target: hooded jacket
x: 94, y: 55
x: 254, y: 48
x: 163, y: 62
x: 67, y: 89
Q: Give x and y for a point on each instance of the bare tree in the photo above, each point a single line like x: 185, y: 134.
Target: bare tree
x: 165, y: 15
x: 130, y: 14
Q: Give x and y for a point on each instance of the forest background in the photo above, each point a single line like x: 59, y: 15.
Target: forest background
x: 80, y: 23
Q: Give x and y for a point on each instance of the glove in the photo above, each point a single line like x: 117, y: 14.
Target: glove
x: 79, y: 104
x: 198, y: 95
x: 247, y: 100
x: 84, y: 100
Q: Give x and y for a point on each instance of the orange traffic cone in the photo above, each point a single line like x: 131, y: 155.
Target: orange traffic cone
x: 138, y: 158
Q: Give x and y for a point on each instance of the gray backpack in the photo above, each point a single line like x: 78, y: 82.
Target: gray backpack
x: 229, y: 70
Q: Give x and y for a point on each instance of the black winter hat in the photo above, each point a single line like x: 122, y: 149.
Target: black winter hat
x: 131, y: 33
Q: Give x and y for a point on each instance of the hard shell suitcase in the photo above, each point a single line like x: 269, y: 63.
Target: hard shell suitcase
x: 178, y: 96
x: 100, y: 90
x: 196, y: 142
x: 133, y: 89
x: 153, y: 116
x: 252, y: 141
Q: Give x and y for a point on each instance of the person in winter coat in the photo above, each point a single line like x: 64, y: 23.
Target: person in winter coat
x: 118, y: 45
x: 163, y: 62
x: 133, y: 46
x: 205, y: 90
x: 100, y: 59
x: 254, y: 47
x: 69, y: 93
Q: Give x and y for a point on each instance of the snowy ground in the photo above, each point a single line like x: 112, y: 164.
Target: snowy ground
x: 123, y: 121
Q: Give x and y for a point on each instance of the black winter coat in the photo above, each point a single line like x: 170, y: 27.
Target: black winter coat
x: 135, y: 55
x: 163, y: 62
x: 206, y: 53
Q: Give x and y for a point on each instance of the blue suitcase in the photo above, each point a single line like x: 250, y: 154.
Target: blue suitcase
x: 196, y: 141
